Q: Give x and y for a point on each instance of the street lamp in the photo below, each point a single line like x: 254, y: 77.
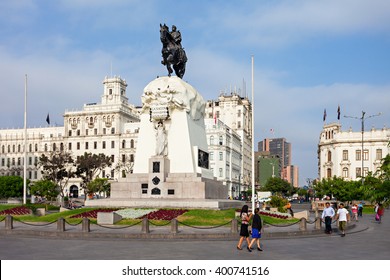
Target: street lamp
x: 363, y: 118
x: 273, y: 169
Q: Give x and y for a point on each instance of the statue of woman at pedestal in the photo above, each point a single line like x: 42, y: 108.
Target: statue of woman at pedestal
x: 161, y: 140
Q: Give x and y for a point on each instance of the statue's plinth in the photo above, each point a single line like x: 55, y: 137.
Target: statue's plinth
x: 171, y: 167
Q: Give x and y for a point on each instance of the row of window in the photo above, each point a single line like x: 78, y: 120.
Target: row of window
x: 95, y: 131
x: 18, y: 161
x: 30, y: 174
x: 345, y: 173
x: 358, y: 155
x: 19, y: 148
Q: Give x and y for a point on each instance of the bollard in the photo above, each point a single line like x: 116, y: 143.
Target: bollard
x: 303, y: 224
x: 86, y: 225
x: 174, y: 226
x: 317, y: 224
x: 9, y: 222
x: 145, y: 225
x: 234, y: 226
x: 61, y: 224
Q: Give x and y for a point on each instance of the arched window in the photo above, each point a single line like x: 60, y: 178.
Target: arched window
x: 132, y: 143
x: 45, y: 147
x: 3, y: 149
x: 345, y: 172
x: 36, y: 147
x: 329, y: 156
x: 329, y: 173
x: 123, y: 144
x: 211, y: 140
x: 18, y: 148
x: 61, y: 147
x: 30, y: 148
x: 54, y: 146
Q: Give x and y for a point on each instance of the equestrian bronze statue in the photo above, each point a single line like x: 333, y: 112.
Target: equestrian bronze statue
x: 173, y: 53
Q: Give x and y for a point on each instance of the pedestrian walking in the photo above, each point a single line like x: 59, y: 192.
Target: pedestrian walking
x: 354, y: 209
x: 257, y: 226
x: 379, y: 212
x: 244, y: 233
x: 343, y: 217
x: 327, y: 216
x: 360, y: 209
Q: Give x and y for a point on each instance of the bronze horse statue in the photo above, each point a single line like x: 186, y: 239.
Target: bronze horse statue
x: 172, y: 52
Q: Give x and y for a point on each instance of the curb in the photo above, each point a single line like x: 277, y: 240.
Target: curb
x: 167, y: 236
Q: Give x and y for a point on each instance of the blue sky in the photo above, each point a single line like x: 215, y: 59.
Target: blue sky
x: 309, y: 56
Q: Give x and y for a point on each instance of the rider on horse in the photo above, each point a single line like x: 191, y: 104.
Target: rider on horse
x: 172, y: 51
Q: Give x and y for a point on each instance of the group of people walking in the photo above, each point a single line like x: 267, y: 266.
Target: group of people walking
x: 343, y: 216
x: 257, y: 226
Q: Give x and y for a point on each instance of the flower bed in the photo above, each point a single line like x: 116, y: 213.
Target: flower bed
x: 16, y: 211
x: 272, y: 214
x: 165, y: 214
x: 277, y: 215
x: 93, y: 213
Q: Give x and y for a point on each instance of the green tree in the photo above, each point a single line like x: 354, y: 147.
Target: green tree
x: 11, y: 186
x: 89, y: 166
x: 45, y: 188
x: 99, y: 185
x: 58, y: 167
x: 340, y: 189
x: 377, y: 190
x: 278, y: 186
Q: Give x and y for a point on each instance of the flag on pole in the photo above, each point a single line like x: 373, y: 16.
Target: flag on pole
x: 48, y: 119
x: 338, y: 112
x: 324, y: 115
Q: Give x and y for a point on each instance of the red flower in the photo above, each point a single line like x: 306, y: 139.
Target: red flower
x: 93, y: 213
x: 164, y: 214
x: 20, y: 210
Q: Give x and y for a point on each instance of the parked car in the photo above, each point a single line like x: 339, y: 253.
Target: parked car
x: 264, y: 199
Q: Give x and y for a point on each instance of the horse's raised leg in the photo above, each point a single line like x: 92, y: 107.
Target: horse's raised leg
x: 170, y: 71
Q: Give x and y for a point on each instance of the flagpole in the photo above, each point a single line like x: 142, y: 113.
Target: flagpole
x: 25, y: 143
x: 253, y: 139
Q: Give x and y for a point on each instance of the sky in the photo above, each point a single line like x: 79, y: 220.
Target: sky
x: 309, y: 56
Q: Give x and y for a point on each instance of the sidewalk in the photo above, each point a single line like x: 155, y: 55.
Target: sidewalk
x: 164, y: 232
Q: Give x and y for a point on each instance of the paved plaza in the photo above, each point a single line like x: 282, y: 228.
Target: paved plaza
x: 368, y: 240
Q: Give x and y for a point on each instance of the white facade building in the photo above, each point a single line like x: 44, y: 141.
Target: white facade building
x: 236, y: 113
x: 225, y: 148
x: 110, y: 127
x: 340, y: 152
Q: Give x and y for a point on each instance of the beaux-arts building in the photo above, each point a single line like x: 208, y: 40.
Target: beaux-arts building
x: 112, y: 127
x: 340, y: 152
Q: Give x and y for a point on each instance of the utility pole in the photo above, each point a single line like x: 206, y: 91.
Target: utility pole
x: 362, y: 119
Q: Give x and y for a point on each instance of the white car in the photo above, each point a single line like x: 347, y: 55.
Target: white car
x: 264, y: 199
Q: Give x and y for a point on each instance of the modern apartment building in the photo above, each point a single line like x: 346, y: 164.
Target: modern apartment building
x: 281, y: 149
